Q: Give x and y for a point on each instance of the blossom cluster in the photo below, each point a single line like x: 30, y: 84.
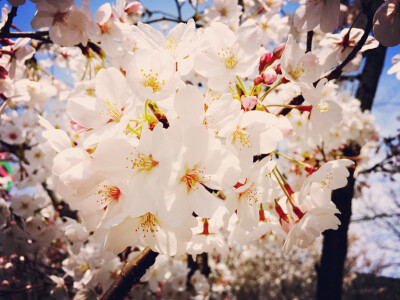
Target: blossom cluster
x: 159, y: 162
x: 175, y: 141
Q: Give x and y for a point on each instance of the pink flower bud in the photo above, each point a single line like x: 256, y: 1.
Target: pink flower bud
x: 264, y: 61
x: 258, y: 80
x: 279, y: 50
x: 249, y: 102
x: 3, y: 72
x: 133, y: 7
x: 7, y: 42
x: 269, y: 76
x: 278, y: 69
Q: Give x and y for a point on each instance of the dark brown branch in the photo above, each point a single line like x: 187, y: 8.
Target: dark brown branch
x: 178, y: 8
x: 10, y: 18
x: 349, y: 77
x: 162, y: 19
x: 378, y: 167
x: 310, y: 35
x: 37, y: 35
x: 335, y: 74
x: 60, y: 206
x: 130, y: 275
x: 379, y: 216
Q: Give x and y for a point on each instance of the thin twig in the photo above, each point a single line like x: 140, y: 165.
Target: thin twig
x: 379, y: 216
x: 335, y: 74
x: 178, y: 8
x: 161, y: 19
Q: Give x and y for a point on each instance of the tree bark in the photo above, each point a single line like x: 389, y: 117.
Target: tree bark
x: 331, y: 267
x: 130, y: 275
x: 370, y: 77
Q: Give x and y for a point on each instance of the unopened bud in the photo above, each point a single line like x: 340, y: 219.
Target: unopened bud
x: 7, y: 42
x: 269, y: 76
x: 278, y: 69
x: 133, y: 7
x: 279, y: 50
x: 265, y: 60
x: 249, y: 102
x: 258, y: 80
x: 3, y: 72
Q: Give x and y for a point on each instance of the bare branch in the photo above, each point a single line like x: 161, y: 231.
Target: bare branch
x: 179, y: 8
x: 379, y: 216
x: 162, y: 19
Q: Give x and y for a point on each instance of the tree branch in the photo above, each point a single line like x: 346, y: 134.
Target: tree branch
x: 130, y: 275
x: 161, y: 19
x: 310, y: 35
x: 37, y: 35
x: 60, y: 206
x: 379, y: 216
x: 335, y: 74
x: 178, y: 8
x: 10, y: 18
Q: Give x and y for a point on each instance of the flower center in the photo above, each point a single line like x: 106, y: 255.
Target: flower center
x: 242, y: 137
x: 230, y: 58
x: 60, y: 17
x: 171, y: 45
x: 144, y: 162
x: 152, y: 81
x: 148, y: 223
x: 345, y: 43
x: 223, y: 12
x: 323, y: 107
x: 326, y: 184
x: 298, y: 71
x: 192, y: 177
x: 112, y: 111
x: 250, y: 195
x: 105, y: 28
x: 108, y: 194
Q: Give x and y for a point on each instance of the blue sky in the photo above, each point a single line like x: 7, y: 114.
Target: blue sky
x: 386, y: 104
